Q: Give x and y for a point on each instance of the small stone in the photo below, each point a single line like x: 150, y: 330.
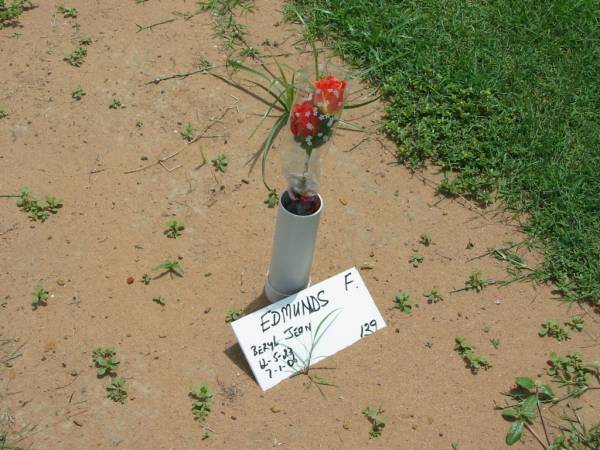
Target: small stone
x: 367, y: 266
x: 144, y: 158
x: 498, y: 301
x: 207, y: 310
x: 275, y: 409
x: 74, y: 373
x: 60, y: 282
x: 130, y: 280
x: 346, y: 425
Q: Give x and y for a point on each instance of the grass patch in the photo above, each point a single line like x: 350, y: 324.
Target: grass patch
x: 503, y: 96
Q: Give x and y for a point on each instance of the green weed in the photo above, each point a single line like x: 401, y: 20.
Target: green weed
x: 575, y: 323
x: 77, y: 57
x: 415, y: 259
x: 202, y: 396
x: 272, y: 199
x: 34, y: 209
x: 106, y: 360
x: 160, y: 300
x: 67, y: 12
x: 403, y: 302
x: 78, y: 93
x: 433, y: 296
x: 220, y: 163
x: 9, y: 13
x: 188, y: 133
x: 232, y: 315
x: 3, y: 113
x: 375, y: 418
x: 572, y: 372
x: 472, y: 360
x: 425, y: 239
x: 171, y: 267
x: 86, y: 40
x: 146, y: 279
x: 553, y: 328
x: 115, y: 104
x: 174, y: 229
x: 117, y: 389
x: 40, y: 297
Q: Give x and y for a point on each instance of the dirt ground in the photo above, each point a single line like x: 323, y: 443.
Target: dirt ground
x: 111, y: 228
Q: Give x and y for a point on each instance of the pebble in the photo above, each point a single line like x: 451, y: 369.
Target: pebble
x: 275, y: 409
x: 60, y: 282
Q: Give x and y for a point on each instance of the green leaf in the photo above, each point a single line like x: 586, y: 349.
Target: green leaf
x: 528, y: 406
x: 515, y: 432
x: 510, y: 413
x: 546, y: 390
x: 525, y: 383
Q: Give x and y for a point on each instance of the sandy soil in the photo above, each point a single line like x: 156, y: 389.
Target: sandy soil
x: 111, y: 228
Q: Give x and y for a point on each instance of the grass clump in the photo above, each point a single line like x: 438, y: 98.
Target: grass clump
x: 502, y: 96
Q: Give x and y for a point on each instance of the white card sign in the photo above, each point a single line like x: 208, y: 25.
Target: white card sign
x: 281, y: 339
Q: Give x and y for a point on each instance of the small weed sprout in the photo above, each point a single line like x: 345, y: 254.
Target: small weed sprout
x: 35, y: 211
x: 3, y: 113
x: 86, y: 40
x: 171, y: 267
x: 117, y: 389
x: 403, y: 302
x: 40, y: 297
x: 188, y: 133
x: 425, y: 239
x: 201, y: 406
x: 433, y: 296
x: 106, y: 360
x: 575, y: 323
x: 67, y: 12
x: 160, y: 300
x: 477, y: 281
x: 272, y: 199
x: 115, y: 104
x: 415, y: 259
x: 232, y: 315
x: 220, y: 163
x: 146, y: 279
x: 250, y: 52
x: 495, y: 343
x: 472, y: 360
x: 377, y: 421
x: 553, y: 328
x: 78, y: 93
x: 174, y: 229
x: 77, y: 57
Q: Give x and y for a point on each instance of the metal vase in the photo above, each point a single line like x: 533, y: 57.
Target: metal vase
x: 293, y: 250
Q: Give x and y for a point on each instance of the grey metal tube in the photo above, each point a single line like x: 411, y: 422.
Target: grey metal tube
x: 293, y: 250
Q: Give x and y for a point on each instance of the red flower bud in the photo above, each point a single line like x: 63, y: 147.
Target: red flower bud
x: 304, y: 121
x: 329, y: 94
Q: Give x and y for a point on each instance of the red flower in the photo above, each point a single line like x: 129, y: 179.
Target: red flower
x: 329, y: 94
x: 304, y: 121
